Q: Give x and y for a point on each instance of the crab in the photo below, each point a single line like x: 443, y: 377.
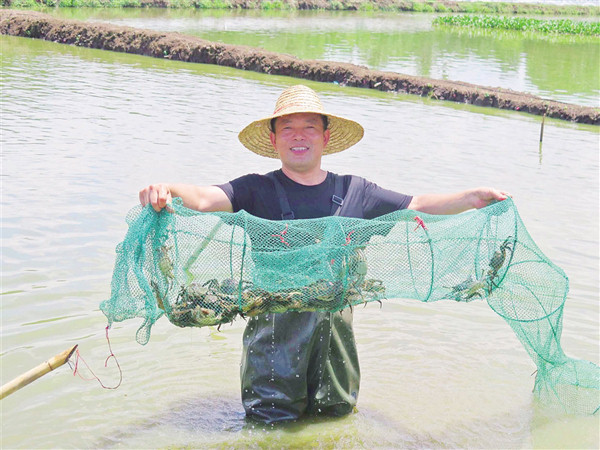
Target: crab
x: 165, y: 265
x: 204, y: 316
x: 192, y: 294
x: 375, y: 288
x: 355, y: 265
x: 322, y: 293
x: 156, y: 290
x: 470, y: 289
x: 212, y: 285
x: 370, y: 290
x: 476, y: 289
x: 255, y: 302
x: 497, y: 260
x: 227, y: 315
x: 463, y: 286
x: 373, y: 285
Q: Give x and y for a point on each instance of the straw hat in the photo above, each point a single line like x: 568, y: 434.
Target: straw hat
x: 344, y: 133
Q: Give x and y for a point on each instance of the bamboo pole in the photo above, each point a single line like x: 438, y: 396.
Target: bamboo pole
x: 542, y: 128
x: 36, y: 372
x: 542, y: 135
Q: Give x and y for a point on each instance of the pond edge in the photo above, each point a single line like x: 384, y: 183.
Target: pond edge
x: 185, y: 48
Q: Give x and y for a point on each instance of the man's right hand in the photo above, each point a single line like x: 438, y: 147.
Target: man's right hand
x: 200, y: 198
x: 158, y: 195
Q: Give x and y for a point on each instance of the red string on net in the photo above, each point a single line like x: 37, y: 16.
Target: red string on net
x: 78, y: 358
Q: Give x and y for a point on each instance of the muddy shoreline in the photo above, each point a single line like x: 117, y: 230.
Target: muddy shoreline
x: 191, y: 49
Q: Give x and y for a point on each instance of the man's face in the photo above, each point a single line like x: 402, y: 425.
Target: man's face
x: 300, y: 139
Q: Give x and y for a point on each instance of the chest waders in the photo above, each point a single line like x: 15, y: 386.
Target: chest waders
x: 302, y: 362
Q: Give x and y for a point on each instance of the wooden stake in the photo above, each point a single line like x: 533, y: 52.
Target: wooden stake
x: 36, y: 372
x: 542, y: 128
x: 542, y: 135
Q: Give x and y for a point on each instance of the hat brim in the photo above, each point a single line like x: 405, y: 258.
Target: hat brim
x: 344, y: 133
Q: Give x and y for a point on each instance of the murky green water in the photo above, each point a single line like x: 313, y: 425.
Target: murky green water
x: 560, y: 68
x: 83, y: 130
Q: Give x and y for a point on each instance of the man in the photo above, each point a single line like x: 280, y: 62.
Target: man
x: 304, y: 362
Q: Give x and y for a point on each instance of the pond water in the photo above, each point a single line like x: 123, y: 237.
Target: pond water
x: 560, y: 68
x: 83, y: 130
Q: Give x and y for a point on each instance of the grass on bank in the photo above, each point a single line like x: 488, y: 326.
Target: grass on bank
x: 560, y: 26
x: 439, y: 6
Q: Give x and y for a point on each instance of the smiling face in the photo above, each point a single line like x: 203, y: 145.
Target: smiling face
x: 299, y: 139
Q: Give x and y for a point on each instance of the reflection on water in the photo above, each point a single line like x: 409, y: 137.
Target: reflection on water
x: 83, y: 130
x: 561, y: 68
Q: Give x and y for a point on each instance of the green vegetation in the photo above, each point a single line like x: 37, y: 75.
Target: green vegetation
x: 438, y: 6
x: 72, y: 3
x: 274, y: 5
x: 561, y: 26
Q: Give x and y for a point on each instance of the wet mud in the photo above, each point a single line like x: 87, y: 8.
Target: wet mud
x: 180, y: 47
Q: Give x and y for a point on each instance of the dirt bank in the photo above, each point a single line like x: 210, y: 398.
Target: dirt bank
x: 190, y: 49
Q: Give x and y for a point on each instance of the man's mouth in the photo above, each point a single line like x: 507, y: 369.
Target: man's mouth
x: 299, y: 149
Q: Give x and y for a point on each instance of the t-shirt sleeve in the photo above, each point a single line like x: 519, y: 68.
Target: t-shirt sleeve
x: 379, y: 201
x: 240, y: 191
x: 228, y: 189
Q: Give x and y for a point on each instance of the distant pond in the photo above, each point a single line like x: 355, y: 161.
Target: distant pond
x: 559, y: 68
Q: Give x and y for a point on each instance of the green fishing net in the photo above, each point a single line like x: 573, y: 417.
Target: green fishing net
x: 203, y: 269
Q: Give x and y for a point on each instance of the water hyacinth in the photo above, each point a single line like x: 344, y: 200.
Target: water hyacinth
x: 557, y: 26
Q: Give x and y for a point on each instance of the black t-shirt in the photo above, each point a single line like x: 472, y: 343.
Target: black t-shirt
x: 256, y: 195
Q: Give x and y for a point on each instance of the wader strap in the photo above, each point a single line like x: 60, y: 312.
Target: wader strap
x: 284, y: 204
x: 337, y: 199
x: 287, y: 213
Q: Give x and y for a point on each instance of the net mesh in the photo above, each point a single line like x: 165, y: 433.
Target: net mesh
x: 203, y: 269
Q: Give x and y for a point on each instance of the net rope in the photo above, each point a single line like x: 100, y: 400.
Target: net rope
x: 205, y: 269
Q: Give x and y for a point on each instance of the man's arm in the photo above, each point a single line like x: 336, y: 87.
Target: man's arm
x: 457, y: 202
x: 200, y: 198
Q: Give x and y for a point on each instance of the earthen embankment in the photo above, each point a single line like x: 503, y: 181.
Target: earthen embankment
x: 191, y: 49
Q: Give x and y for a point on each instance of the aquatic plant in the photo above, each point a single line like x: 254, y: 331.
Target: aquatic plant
x: 274, y: 5
x: 557, y: 26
